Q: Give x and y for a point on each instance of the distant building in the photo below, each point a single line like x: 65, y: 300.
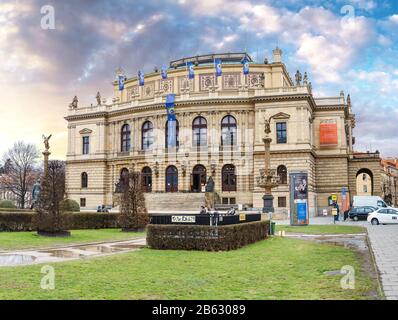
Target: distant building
x: 389, y: 186
x: 219, y: 133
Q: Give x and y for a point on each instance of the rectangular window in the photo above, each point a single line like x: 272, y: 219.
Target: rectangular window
x: 281, y: 202
x: 365, y: 188
x: 281, y: 134
x: 86, y: 145
x: 224, y: 200
x: 82, y: 202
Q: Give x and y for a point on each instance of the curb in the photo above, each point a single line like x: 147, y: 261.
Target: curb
x: 373, y: 258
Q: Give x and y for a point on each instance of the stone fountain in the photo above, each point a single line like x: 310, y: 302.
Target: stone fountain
x: 268, y: 178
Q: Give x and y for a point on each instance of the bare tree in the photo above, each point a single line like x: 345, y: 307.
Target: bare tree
x: 133, y: 213
x: 18, y: 170
x: 50, y: 219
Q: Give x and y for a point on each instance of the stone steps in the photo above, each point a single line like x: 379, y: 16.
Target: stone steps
x: 174, y: 201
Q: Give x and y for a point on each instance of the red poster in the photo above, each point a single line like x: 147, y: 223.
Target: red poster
x: 328, y: 134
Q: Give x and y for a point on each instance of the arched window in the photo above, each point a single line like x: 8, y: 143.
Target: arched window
x: 177, y: 129
x: 147, y: 135
x: 147, y: 179
x: 171, y: 179
x: 228, y: 178
x: 228, y: 131
x: 124, y: 176
x: 125, y: 138
x: 199, y: 132
x: 281, y: 172
x: 84, y: 180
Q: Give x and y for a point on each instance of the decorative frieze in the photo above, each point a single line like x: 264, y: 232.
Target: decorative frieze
x: 230, y: 81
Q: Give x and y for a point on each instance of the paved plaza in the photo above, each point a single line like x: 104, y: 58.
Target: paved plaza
x: 384, y: 243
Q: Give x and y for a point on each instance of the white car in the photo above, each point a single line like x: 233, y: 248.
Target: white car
x: 383, y: 216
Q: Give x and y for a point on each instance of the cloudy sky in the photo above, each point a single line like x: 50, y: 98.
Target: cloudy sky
x: 342, y: 44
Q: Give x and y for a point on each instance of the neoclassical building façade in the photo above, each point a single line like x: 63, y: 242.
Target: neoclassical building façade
x: 219, y: 129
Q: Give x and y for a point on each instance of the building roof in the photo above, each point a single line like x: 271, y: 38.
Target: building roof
x: 209, y: 58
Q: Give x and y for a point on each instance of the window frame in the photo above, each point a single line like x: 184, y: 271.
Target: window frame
x: 282, y: 130
x: 199, y: 130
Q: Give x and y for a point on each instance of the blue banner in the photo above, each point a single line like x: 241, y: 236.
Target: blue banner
x: 245, y: 66
x: 217, y: 63
x: 163, y: 71
x: 170, y: 107
x: 121, y: 79
x: 171, y: 121
x: 141, y: 80
x: 191, y: 72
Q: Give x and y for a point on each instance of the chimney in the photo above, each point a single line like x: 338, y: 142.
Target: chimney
x: 277, y: 55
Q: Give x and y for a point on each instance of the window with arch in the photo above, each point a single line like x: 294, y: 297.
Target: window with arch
x: 177, y: 129
x: 228, y: 131
x: 125, y: 138
x: 199, y: 132
x: 228, y: 178
x: 146, y: 179
x: 124, y: 176
x: 84, y: 179
x: 281, y: 172
x: 147, y: 135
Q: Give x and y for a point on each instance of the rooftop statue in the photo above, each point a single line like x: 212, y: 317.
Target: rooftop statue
x: 98, y: 97
x: 298, y: 78
x: 74, y: 103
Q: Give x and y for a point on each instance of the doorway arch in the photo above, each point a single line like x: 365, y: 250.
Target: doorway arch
x: 364, y: 182
x: 171, y: 179
x: 198, y: 178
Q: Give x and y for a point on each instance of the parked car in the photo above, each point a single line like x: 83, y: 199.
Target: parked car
x: 360, y: 213
x: 383, y: 216
x: 372, y: 201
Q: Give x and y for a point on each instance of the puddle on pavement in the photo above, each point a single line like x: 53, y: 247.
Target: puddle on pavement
x: 99, y: 249
x: 15, y: 259
x: 63, y: 254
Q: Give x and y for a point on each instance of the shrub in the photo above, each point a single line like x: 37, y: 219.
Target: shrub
x: 7, y: 204
x: 69, y: 205
x: 16, y: 221
x: 210, y: 238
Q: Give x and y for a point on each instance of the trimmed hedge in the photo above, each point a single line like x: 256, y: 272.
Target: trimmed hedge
x: 210, y: 238
x: 7, y: 204
x: 23, y: 221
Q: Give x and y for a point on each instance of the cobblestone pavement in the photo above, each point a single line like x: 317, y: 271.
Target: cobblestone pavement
x: 384, y: 243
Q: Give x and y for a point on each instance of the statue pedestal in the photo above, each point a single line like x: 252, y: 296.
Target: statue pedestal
x: 268, y: 205
x: 46, y: 155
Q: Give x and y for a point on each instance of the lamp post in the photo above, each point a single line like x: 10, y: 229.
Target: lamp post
x: 268, y: 178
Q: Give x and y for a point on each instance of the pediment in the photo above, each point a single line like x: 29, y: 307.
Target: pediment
x: 85, y: 131
x: 281, y: 115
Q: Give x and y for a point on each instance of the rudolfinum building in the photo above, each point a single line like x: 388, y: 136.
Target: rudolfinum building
x: 220, y: 112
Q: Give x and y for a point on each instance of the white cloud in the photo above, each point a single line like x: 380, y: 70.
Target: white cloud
x: 394, y: 18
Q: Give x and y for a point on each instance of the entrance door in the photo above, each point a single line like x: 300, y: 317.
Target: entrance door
x: 198, y: 178
x: 171, y: 179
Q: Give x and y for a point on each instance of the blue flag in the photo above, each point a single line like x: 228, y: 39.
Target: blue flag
x: 164, y: 72
x: 191, y: 73
x: 141, y: 80
x: 171, y: 121
x: 245, y: 66
x: 121, y: 79
x: 217, y: 63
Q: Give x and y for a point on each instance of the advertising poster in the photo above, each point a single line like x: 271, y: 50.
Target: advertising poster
x: 328, y: 134
x: 299, y: 198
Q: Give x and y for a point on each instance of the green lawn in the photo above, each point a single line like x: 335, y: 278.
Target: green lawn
x: 321, y: 229
x: 277, y: 268
x: 24, y: 240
